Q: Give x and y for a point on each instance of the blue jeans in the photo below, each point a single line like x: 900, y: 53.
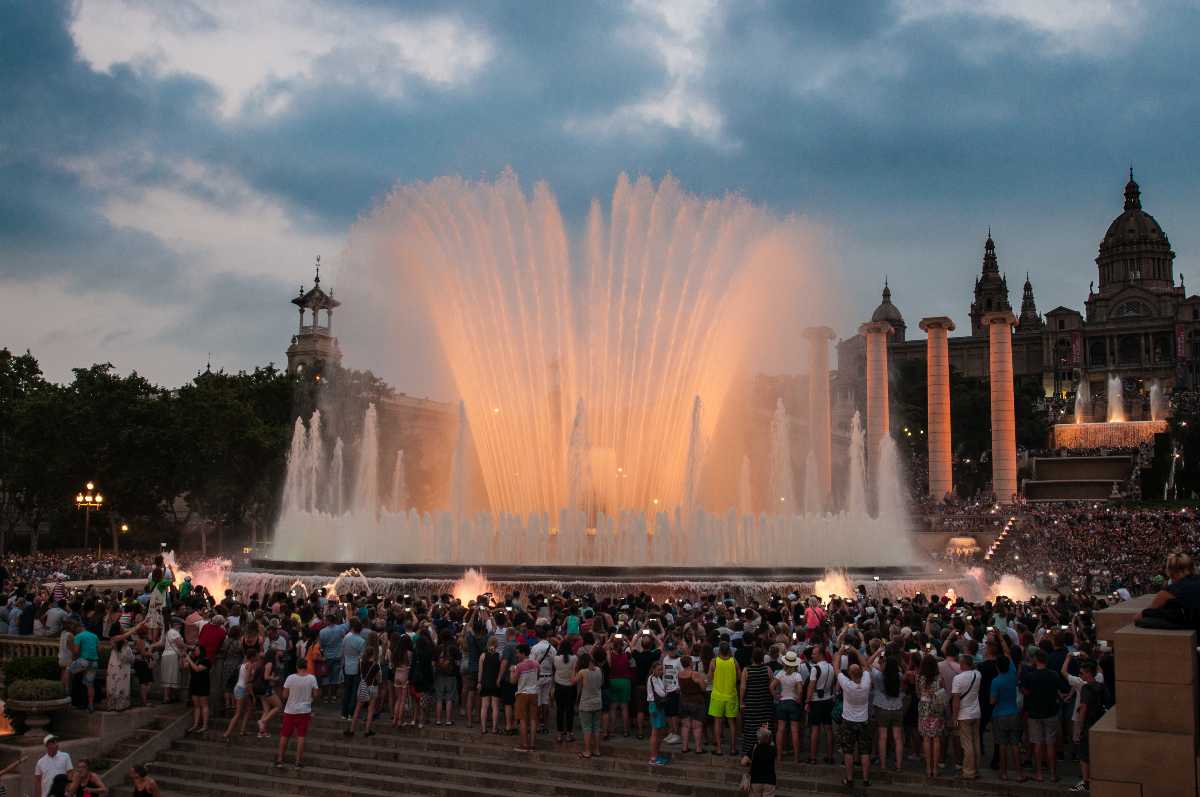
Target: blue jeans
x: 349, y: 693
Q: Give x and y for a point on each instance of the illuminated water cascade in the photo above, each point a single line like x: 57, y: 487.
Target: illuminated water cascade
x: 592, y: 375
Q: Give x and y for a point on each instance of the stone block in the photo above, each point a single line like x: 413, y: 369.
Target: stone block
x: 1112, y: 788
x: 1163, y: 763
x: 1114, y: 618
x: 1152, y: 656
x: 1155, y: 707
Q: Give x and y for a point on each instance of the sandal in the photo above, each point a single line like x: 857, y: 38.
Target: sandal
x: 584, y: 755
x: 849, y: 784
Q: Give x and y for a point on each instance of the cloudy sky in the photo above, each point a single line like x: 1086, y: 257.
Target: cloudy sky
x: 169, y: 168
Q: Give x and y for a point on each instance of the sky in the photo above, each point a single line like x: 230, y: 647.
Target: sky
x: 169, y: 169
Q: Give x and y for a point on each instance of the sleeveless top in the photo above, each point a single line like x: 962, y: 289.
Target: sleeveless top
x: 724, y: 677
x: 589, y: 695
x: 491, y: 668
x: 690, y: 691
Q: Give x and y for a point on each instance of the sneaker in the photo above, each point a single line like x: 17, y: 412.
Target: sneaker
x: 279, y: 765
x: 662, y: 760
x: 673, y: 738
x: 1080, y: 788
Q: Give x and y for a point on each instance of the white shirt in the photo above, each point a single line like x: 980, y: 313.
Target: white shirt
x: 789, y: 685
x: 671, y: 667
x: 822, y: 673
x: 543, y: 653
x: 300, y: 690
x: 49, y: 767
x: 856, y: 697
x: 966, y: 686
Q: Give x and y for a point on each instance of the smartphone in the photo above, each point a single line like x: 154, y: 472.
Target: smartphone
x: 645, y: 632
x: 618, y: 636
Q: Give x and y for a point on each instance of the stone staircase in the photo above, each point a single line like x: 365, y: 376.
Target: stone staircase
x: 458, y: 762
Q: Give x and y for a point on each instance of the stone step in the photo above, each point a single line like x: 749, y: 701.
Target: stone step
x: 462, y: 740
x: 709, y: 782
x: 384, y: 758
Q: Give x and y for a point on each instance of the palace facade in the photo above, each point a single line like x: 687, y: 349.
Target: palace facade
x: 1137, y: 323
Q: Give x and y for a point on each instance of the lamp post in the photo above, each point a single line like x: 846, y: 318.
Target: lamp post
x: 89, y: 502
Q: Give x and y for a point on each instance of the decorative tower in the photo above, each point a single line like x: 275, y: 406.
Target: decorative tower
x: 991, y: 290
x: 1029, y: 320
x: 314, y: 344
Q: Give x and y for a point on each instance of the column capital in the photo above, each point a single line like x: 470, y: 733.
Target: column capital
x: 1000, y: 317
x: 819, y: 333
x: 936, y: 322
x: 877, y: 327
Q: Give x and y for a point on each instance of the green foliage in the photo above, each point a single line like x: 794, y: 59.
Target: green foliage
x: 27, y: 668
x: 36, y: 689
x: 213, y: 449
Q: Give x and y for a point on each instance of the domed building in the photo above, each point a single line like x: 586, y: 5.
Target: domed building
x: 886, y: 311
x: 1138, y: 322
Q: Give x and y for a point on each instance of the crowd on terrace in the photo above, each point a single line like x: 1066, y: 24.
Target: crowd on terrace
x: 960, y: 687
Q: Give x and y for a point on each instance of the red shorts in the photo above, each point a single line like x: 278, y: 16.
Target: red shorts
x: 295, y: 724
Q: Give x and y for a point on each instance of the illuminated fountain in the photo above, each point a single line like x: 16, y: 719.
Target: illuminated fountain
x: 1117, y: 431
x: 594, y: 375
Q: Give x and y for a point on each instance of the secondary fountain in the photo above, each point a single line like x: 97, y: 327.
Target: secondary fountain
x: 1116, y: 431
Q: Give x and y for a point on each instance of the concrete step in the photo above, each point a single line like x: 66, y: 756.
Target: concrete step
x: 391, y: 757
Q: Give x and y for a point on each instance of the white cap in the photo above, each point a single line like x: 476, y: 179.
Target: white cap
x: 49, y: 738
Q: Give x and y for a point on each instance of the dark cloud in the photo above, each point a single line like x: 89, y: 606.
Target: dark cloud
x: 906, y: 141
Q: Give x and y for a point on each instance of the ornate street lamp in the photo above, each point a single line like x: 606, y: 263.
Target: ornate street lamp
x: 89, y: 502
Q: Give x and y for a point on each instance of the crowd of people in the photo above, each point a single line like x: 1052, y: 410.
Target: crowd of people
x: 884, y: 681
x: 1095, y: 546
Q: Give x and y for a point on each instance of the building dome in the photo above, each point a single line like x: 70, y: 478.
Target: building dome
x: 886, y: 311
x: 1135, y: 250
x: 1134, y: 226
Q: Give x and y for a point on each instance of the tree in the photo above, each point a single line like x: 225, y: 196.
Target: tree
x: 20, y: 376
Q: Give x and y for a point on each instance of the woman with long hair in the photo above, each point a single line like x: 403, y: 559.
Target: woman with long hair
x: 368, y: 690
x: 564, y: 693
x: 489, y: 686
x: 264, y: 690
x: 243, y: 694
x: 931, y: 711
x: 199, y: 686
x: 401, y: 667
x: 888, y: 699
x: 588, y: 681
x: 421, y: 677
x: 231, y: 663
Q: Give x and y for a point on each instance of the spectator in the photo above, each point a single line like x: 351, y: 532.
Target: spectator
x: 298, y: 691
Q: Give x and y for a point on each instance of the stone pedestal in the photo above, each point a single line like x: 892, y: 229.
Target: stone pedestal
x: 1145, y: 746
x: 1004, y: 421
x: 878, y: 421
x: 820, y: 425
x: 937, y: 435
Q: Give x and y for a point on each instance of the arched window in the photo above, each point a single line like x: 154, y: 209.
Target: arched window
x: 1131, y: 309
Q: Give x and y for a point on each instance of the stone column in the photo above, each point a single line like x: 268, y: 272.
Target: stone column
x: 820, y: 424
x: 1004, y: 422
x: 937, y: 435
x: 876, y: 334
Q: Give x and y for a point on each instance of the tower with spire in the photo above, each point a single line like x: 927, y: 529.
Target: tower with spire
x: 886, y: 311
x: 991, y: 289
x: 1029, y: 320
x: 314, y: 345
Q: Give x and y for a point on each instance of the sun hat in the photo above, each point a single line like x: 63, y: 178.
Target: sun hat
x: 790, y: 659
